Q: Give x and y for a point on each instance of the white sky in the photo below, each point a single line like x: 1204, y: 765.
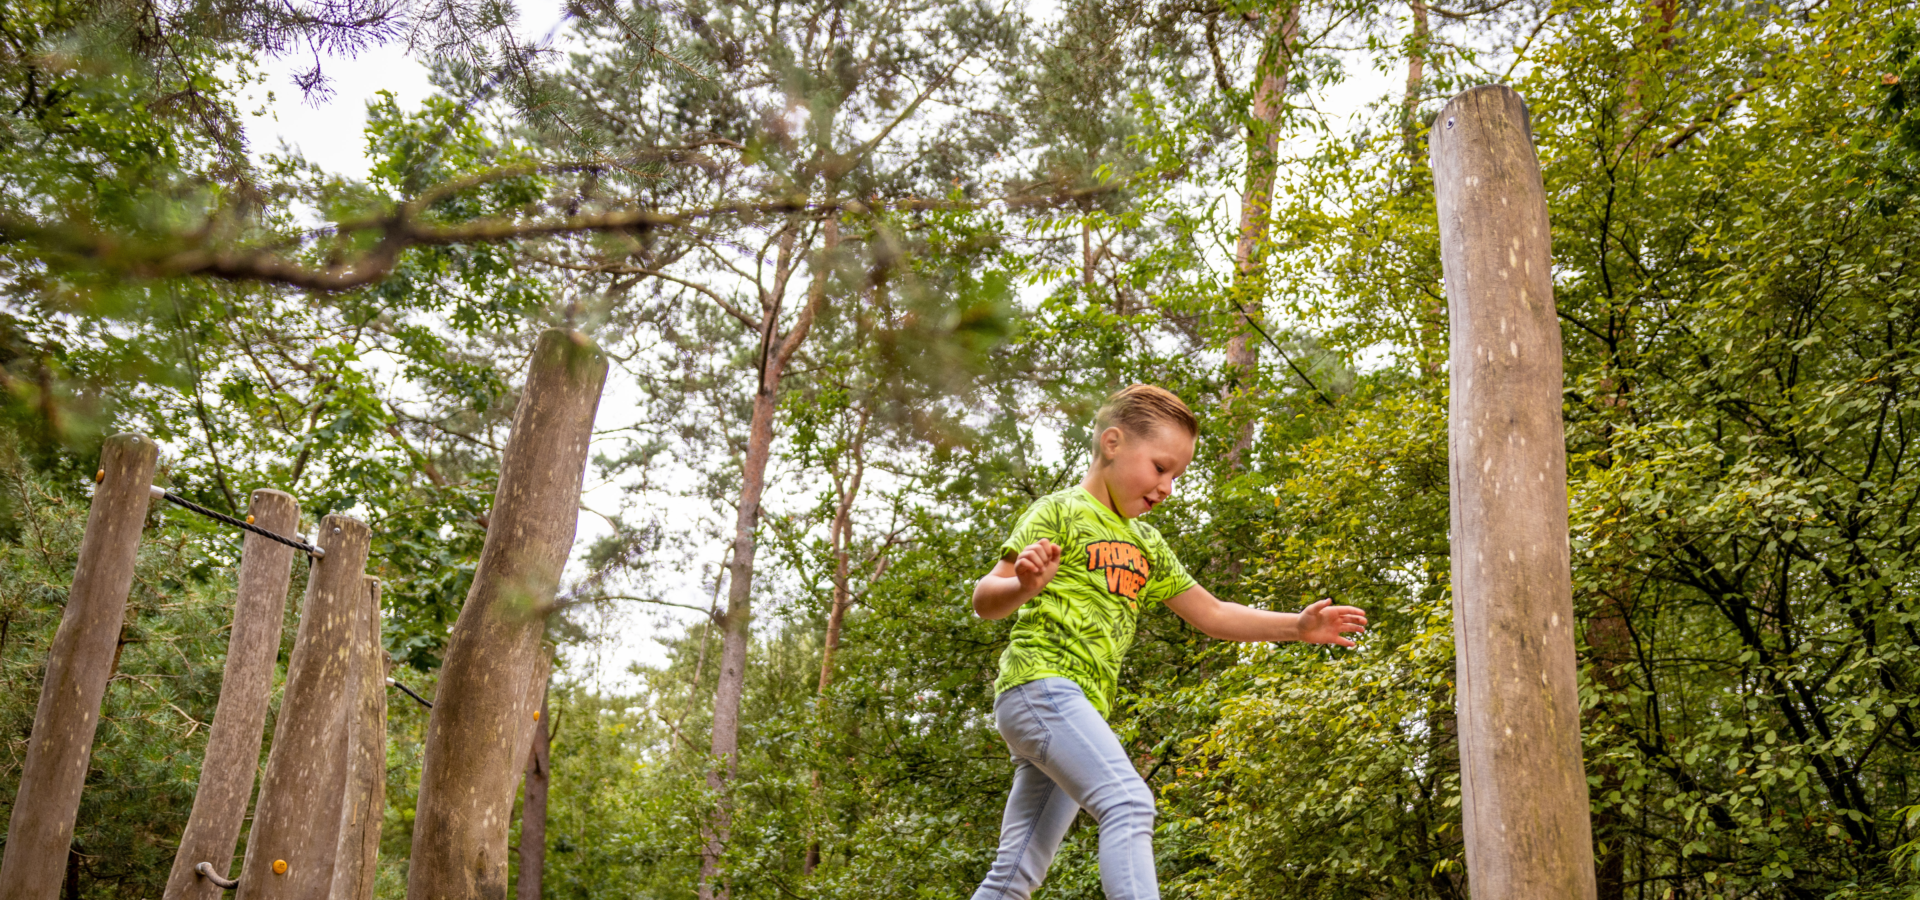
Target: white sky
x: 330, y: 134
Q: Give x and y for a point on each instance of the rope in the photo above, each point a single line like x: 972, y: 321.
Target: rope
x: 191, y: 506
x: 409, y: 692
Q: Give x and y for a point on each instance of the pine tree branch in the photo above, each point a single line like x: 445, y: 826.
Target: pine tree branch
x: 133, y: 257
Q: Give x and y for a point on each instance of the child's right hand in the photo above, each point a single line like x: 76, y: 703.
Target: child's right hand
x: 1036, y: 565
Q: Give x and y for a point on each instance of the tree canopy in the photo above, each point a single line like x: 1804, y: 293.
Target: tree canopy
x: 863, y: 271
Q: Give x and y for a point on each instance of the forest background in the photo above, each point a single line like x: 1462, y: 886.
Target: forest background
x: 886, y: 257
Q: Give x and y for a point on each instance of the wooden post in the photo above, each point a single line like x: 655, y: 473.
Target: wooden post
x: 357, y: 859
x: 296, y: 822
x: 535, y: 702
x: 79, y: 664
x: 533, y: 810
x: 1523, y: 785
x: 476, y: 734
x: 246, y: 690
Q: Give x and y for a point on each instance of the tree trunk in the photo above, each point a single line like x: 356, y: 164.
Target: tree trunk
x: 1416, y: 78
x: 1086, y: 250
x: 535, y: 702
x: 1433, y: 316
x: 1611, y: 646
x: 79, y: 665
x: 1256, y: 202
x: 296, y: 821
x: 1524, y: 789
x: 476, y: 733
x: 533, y: 811
x: 736, y: 625
x: 246, y: 690
x: 358, y: 855
x: 842, y: 537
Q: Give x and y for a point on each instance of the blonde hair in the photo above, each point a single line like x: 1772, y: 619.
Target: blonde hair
x: 1138, y: 409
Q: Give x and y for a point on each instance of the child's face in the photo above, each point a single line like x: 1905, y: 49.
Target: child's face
x: 1140, y: 469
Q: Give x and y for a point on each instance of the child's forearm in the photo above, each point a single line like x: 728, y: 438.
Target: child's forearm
x: 996, y: 596
x: 1234, y: 622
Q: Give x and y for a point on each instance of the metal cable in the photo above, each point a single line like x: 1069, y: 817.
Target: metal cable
x: 409, y: 692
x: 1283, y: 353
x: 191, y: 506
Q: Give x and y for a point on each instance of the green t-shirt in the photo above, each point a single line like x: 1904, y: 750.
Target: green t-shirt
x: 1082, y: 622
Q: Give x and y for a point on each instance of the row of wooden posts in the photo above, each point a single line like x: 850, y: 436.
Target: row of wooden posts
x: 316, y: 823
x: 1524, y: 809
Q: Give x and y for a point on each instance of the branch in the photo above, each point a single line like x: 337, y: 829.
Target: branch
x: 619, y: 269
x: 1471, y: 12
x: 1696, y: 126
x: 121, y: 255
x: 563, y: 604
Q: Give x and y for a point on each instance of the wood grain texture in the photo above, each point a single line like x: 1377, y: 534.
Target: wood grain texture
x: 1525, y: 791
x: 246, y: 690
x: 356, y: 861
x: 79, y: 664
x: 478, y: 731
x: 297, y: 818
x: 533, y: 810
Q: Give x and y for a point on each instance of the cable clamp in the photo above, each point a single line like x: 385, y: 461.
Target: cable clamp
x: 206, y: 868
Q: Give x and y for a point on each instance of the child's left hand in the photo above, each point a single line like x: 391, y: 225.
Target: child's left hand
x: 1324, y: 623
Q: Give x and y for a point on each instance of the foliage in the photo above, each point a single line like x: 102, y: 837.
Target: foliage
x: 1734, y: 212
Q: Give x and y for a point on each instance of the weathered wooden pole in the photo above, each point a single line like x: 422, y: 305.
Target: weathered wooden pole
x: 477, y: 733
x: 79, y: 664
x: 246, y: 690
x: 296, y: 822
x: 533, y: 810
x: 535, y: 702
x: 356, y: 861
x: 1524, y: 788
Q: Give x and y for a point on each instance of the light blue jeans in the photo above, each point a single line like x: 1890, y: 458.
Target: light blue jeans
x: 1066, y: 759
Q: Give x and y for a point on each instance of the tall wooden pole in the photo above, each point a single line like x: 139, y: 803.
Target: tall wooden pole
x: 357, y: 857
x: 296, y: 823
x: 477, y: 733
x: 1524, y: 789
x: 79, y: 664
x: 246, y: 689
x: 533, y: 810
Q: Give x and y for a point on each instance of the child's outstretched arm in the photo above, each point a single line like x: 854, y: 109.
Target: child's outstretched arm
x: 1320, y: 623
x: 1015, y: 580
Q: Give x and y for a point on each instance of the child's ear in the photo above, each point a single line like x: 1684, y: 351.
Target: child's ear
x: 1108, y: 444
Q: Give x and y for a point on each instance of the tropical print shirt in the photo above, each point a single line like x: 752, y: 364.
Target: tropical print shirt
x: 1082, y: 623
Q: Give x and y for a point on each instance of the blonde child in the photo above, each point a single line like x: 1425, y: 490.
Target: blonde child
x: 1077, y: 569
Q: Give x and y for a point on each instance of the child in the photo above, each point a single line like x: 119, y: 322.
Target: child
x: 1078, y: 567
